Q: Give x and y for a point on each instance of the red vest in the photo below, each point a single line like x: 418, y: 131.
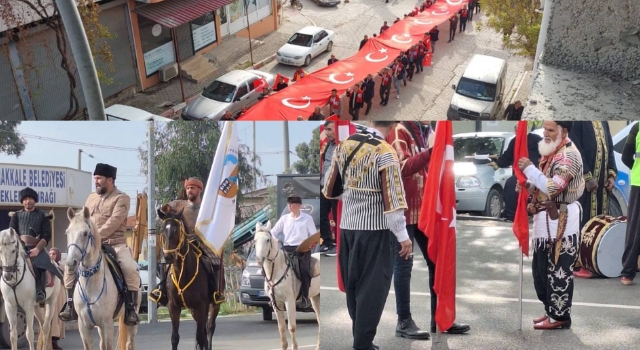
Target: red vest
x: 359, y: 96
x: 386, y: 79
x: 464, y: 14
x: 397, y: 68
x: 334, y: 102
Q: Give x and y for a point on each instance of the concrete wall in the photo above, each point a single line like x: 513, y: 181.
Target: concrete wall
x: 595, y: 36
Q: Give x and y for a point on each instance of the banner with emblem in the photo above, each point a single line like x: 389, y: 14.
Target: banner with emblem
x: 216, y: 218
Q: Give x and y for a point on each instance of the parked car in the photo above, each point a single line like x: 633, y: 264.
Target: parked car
x: 144, y: 289
x: 304, y: 45
x: 327, y: 2
x: 128, y: 113
x: 480, y: 188
x: 479, y: 94
x: 230, y: 92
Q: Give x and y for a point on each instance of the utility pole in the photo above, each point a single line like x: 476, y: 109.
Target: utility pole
x: 151, y: 225
x: 285, y: 137
x: 253, y: 131
x: 79, y: 159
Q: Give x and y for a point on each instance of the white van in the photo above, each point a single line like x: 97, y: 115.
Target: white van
x: 480, y: 92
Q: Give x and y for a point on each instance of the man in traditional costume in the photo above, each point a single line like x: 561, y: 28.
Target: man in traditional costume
x: 556, y: 188
x: 189, y: 210
x: 34, y: 228
x: 365, y: 171
x: 297, y: 227
x: 631, y: 158
x: 414, y: 159
x: 109, y: 209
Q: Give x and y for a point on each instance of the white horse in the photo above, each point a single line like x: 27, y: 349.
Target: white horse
x: 18, y: 288
x: 96, y: 296
x: 284, y: 283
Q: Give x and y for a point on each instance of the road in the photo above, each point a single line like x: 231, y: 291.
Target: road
x: 606, y: 314
x: 429, y: 94
x: 233, y: 332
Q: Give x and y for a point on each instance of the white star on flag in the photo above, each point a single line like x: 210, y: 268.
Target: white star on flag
x: 383, y: 50
x: 349, y: 74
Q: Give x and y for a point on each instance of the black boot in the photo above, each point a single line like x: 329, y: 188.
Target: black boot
x: 68, y: 313
x: 456, y: 328
x: 407, y: 328
x: 41, y: 295
x: 131, y: 316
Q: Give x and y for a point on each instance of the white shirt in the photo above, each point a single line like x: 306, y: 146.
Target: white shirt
x: 295, y: 230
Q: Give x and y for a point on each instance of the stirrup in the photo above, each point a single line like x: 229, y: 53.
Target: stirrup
x: 155, y: 295
x: 219, y: 298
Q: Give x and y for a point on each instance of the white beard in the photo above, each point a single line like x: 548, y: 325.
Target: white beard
x: 546, y: 149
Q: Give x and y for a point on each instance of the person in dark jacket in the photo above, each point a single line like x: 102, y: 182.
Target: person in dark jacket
x: 514, y: 111
x: 472, y: 7
x: 505, y: 161
x: 631, y: 158
x: 356, y: 101
x: 453, y: 25
x: 332, y: 60
x: 363, y: 42
x: 464, y: 16
x: 434, y: 38
x: 317, y: 114
x: 368, y: 86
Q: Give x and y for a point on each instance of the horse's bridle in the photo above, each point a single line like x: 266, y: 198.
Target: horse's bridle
x: 269, y: 279
x: 181, y: 239
x: 83, y: 252
x: 14, y: 268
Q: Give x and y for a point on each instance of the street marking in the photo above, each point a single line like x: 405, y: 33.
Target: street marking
x: 479, y: 297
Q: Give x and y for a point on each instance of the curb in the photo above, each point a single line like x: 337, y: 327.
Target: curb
x: 524, y: 76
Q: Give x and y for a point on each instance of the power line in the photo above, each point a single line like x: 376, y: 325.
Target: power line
x: 76, y: 143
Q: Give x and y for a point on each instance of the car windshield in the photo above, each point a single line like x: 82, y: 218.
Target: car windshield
x: 465, y: 148
x: 476, y: 89
x: 301, y: 40
x: 219, y: 91
x: 113, y: 117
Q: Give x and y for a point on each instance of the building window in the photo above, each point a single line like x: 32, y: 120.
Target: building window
x: 203, y: 31
x: 157, y: 45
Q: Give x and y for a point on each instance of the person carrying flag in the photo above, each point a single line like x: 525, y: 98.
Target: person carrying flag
x: 299, y: 74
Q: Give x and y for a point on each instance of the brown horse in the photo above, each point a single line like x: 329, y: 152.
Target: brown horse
x: 187, y: 282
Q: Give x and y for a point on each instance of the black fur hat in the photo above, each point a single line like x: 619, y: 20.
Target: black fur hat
x: 105, y: 170
x: 565, y: 125
x: 28, y: 192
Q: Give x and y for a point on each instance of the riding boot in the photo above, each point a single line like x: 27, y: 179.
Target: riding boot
x: 68, y: 313
x: 304, y: 302
x: 40, y: 289
x: 131, y: 316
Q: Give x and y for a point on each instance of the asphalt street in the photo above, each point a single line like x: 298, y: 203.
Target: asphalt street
x: 605, y: 313
x: 233, y: 332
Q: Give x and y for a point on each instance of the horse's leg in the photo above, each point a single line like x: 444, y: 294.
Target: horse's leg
x: 106, y: 336
x: 12, y: 316
x: 315, y: 302
x: 200, y: 316
x: 291, y: 318
x: 211, y: 323
x: 48, y: 319
x: 42, y: 343
x: 281, y: 328
x: 174, y: 313
x: 86, y: 334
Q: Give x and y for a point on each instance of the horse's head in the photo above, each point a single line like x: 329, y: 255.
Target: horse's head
x: 80, y: 237
x: 266, y: 246
x: 10, y: 248
x: 173, y: 234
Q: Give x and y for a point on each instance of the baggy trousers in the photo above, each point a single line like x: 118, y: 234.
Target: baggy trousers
x: 127, y: 264
x: 554, y: 282
x: 632, y: 241
x: 366, y: 265
x: 402, y: 275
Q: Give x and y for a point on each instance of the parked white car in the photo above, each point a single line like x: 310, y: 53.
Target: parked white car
x: 230, y: 92
x: 304, y: 45
x: 128, y: 113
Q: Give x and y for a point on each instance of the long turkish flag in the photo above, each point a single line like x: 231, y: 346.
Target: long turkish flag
x: 521, y: 220
x: 438, y: 222
x: 301, y: 98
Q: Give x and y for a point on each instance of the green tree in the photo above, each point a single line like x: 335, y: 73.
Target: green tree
x: 186, y: 149
x: 11, y: 143
x: 309, y: 154
x: 517, y: 21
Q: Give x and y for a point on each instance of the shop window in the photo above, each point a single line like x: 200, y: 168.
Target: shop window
x: 157, y: 45
x: 203, y: 31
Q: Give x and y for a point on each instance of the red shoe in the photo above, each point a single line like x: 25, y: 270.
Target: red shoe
x: 626, y: 281
x: 582, y: 273
x: 540, y: 319
x: 547, y: 325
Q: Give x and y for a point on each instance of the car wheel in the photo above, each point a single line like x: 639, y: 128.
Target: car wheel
x: 330, y: 46
x: 614, y: 207
x: 307, y: 61
x: 267, y: 314
x: 5, y: 334
x: 493, y: 207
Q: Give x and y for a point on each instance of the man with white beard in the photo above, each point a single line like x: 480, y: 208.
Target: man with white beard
x: 556, y: 188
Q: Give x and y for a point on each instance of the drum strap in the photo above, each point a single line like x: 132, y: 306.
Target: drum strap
x: 562, y: 226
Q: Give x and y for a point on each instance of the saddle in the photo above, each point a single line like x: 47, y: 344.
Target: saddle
x: 111, y: 259
x: 292, y: 260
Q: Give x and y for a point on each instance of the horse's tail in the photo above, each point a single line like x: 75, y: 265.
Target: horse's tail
x: 123, y: 333
x: 41, y: 340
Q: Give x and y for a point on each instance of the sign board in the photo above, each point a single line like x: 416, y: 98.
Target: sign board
x: 56, y: 186
x: 159, y: 57
x: 204, y: 35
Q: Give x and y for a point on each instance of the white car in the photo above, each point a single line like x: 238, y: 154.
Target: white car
x: 230, y: 92
x: 304, y: 45
x: 128, y: 113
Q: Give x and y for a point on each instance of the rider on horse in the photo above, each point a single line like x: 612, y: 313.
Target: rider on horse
x: 34, y: 228
x: 190, y: 209
x: 297, y: 227
x: 109, y: 210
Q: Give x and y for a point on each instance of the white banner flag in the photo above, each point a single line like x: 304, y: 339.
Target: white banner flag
x: 216, y: 218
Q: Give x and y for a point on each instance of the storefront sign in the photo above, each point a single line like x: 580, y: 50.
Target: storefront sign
x: 204, y: 36
x: 159, y: 57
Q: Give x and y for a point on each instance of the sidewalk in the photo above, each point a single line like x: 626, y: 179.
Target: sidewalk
x: 165, y: 99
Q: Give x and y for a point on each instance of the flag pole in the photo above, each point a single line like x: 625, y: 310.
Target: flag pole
x: 520, y: 292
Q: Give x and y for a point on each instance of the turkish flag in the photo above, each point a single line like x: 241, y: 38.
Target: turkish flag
x: 521, y: 220
x: 426, y: 61
x: 438, y: 221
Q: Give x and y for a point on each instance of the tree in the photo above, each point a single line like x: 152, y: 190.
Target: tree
x: 517, y: 21
x: 11, y: 143
x: 184, y: 150
x: 13, y: 14
x: 309, y: 155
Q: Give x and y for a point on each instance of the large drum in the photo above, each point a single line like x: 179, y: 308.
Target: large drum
x: 602, y: 245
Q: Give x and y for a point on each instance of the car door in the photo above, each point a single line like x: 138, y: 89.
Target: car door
x: 254, y: 93
x: 241, y: 97
x: 317, y: 44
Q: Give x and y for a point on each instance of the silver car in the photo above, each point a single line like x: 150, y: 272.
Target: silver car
x: 479, y: 188
x: 231, y: 92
